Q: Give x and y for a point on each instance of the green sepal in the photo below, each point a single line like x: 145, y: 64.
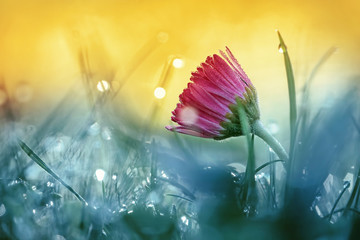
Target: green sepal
x: 249, y: 104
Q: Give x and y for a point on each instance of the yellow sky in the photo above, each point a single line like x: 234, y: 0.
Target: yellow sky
x: 39, y: 39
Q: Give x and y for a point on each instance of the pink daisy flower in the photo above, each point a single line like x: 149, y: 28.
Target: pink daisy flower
x: 209, y: 105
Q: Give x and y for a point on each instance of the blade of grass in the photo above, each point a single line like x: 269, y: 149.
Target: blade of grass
x: 266, y: 164
x: 272, y: 191
x: 292, y: 93
x: 177, y: 196
x: 313, y: 73
x: 293, y: 111
x: 154, y: 158
x: 137, y: 60
x: 345, y: 209
x: 103, y: 191
x: 346, y: 186
x: 305, y: 107
x: 178, y: 185
x: 355, y: 191
x: 43, y: 165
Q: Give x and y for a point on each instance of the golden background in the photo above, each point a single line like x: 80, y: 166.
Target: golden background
x: 39, y: 45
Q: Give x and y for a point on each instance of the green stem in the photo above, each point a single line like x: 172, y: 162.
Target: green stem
x: 261, y: 132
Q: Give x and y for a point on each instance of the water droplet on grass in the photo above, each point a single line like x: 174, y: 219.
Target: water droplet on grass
x: 106, y: 134
x: 281, y: 49
x: 114, y: 176
x: 94, y: 129
x: 99, y: 174
x: 2, y: 210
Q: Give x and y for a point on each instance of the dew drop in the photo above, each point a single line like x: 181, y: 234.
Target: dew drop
x: 185, y: 220
x: 106, y: 134
x: 281, y: 49
x: 271, y: 150
x: 99, y: 174
x: 114, y: 176
x: 94, y: 129
x: 2, y: 210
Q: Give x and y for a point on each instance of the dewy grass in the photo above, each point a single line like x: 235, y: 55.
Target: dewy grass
x: 292, y: 91
x: 44, y: 166
x: 175, y: 189
x: 293, y: 108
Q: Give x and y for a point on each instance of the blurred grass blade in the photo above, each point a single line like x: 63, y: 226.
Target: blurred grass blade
x: 43, y: 165
x: 305, y: 107
x: 178, y: 196
x: 293, y: 112
x: 313, y: 73
x: 267, y: 164
x: 292, y: 93
x: 154, y: 158
x: 346, y: 186
x: 345, y: 210
x: 103, y: 191
x: 179, y: 186
x: 355, y: 192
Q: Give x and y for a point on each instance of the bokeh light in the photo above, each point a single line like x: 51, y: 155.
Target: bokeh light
x: 159, y: 92
x: 188, y: 115
x: 103, y: 86
x: 99, y: 174
x: 178, y: 63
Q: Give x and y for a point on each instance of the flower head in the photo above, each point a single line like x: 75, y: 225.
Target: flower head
x: 209, y: 105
